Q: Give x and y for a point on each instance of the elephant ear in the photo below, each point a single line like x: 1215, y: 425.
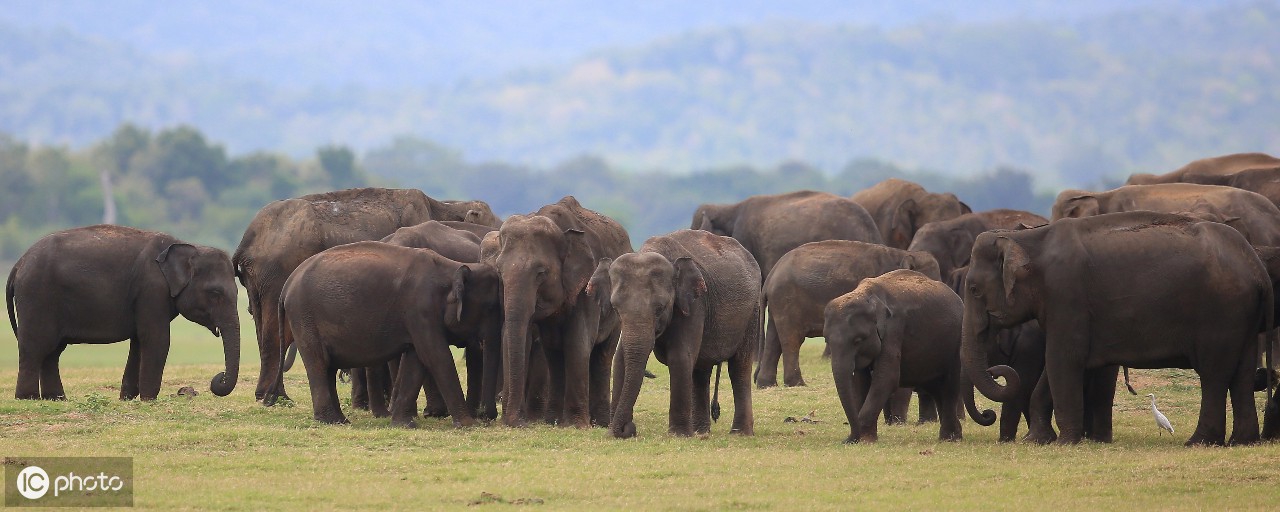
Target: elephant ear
x: 176, y: 263
x: 964, y: 207
x: 1081, y: 206
x: 577, y: 264
x: 900, y: 223
x: 458, y: 291
x: 489, y: 248
x: 956, y: 279
x: 1015, y: 264
x: 689, y: 284
x: 472, y: 216
x: 961, y: 241
x: 883, y: 315
x: 600, y: 286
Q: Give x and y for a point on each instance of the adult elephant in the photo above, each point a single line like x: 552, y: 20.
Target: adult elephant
x: 545, y: 261
x: 103, y: 284
x: 286, y: 232
x: 770, y: 225
x: 1264, y: 181
x: 365, y: 303
x: 691, y: 298
x: 1251, y: 214
x: 901, y: 207
x: 1101, y: 289
x: 951, y: 240
x: 1224, y: 165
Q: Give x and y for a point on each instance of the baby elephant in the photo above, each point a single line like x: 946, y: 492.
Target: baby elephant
x: 691, y: 298
x: 901, y: 329
x: 362, y: 304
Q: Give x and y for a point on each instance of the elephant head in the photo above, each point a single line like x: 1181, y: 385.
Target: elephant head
x: 949, y: 245
x: 201, y: 281
x: 920, y: 210
x: 716, y: 218
x: 856, y: 326
x: 997, y: 294
x: 647, y: 292
x: 544, y: 269
x: 1076, y: 204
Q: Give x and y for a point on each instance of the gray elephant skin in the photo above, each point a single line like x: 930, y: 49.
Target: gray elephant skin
x: 104, y: 284
x: 691, y: 298
x: 900, y: 208
x: 1100, y: 288
x: 1264, y: 181
x: 1224, y: 165
x: 284, y: 233
x: 366, y: 303
x: 901, y: 329
x: 950, y: 241
x: 769, y: 226
x: 546, y: 260
x: 1253, y: 215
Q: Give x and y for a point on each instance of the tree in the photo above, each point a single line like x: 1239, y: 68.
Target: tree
x: 339, y: 163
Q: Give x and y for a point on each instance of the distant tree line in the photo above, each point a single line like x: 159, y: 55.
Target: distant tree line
x: 176, y: 180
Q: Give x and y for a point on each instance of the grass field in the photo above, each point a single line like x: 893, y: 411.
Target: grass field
x: 231, y: 453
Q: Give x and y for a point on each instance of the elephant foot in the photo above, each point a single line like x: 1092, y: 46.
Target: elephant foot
x: 1243, y: 440
x: 626, y: 431
x: 1041, y: 437
x: 404, y: 423
x: 435, y: 411
x: 1006, y: 439
x: 743, y: 431
x: 798, y: 381
x: 380, y: 413
x: 1271, y: 420
x: 950, y: 437
x: 1068, y: 440
x: 895, y: 420
x: 1199, y: 439
x: 332, y: 419
x: 464, y: 422
x: 515, y: 422
x: 868, y: 438
x: 57, y: 398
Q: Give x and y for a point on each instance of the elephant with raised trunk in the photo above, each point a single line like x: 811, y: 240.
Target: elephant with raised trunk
x: 546, y: 260
x: 286, y: 232
x: 769, y: 226
x: 692, y: 299
x: 1138, y: 289
x: 901, y: 329
x: 366, y: 303
x: 1253, y: 215
x: 900, y: 208
x: 103, y: 284
x: 951, y: 240
x: 1224, y: 165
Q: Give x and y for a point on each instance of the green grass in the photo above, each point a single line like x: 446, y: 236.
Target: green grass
x: 231, y: 453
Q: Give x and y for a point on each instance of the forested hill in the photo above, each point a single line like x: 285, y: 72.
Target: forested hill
x: 1071, y: 101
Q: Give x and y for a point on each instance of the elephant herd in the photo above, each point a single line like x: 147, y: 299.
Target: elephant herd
x: 558, y: 315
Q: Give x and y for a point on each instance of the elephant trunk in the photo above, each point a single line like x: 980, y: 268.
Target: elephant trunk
x: 224, y: 382
x: 977, y: 337
x: 985, y: 418
x: 635, y: 345
x: 518, y: 314
x: 842, y: 370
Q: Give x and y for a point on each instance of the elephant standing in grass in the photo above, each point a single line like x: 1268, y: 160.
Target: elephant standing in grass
x: 900, y: 208
x: 1224, y: 165
x: 901, y: 329
x: 103, y: 284
x: 950, y: 241
x: 692, y: 299
x: 1253, y: 215
x: 769, y: 226
x: 286, y: 232
x: 1101, y: 289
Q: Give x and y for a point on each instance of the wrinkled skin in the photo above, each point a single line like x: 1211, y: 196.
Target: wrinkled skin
x: 769, y: 226
x: 901, y: 329
x: 900, y: 208
x: 1099, y: 290
x: 104, y: 284
x: 802, y: 284
x: 366, y: 303
x: 950, y: 241
x: 692, y: 298
x: 1252, y: 215
x: 546, y: 260
x: 1224, y: 165
x: 284, y: 233
x: 1265, y: 181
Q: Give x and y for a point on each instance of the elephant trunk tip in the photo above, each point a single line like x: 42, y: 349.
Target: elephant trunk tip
x: 221, y: 385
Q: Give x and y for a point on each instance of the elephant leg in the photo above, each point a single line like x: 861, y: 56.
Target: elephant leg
x: 491, y: 382
x: 884, y: 384
x: 435, y: 407
x: 433, y: 353
x: 948, y: 395
x: 377, y: 382
x: 538, y: 386
x: 601, y: 358
x: 323, y: 381
x: 928, y: 407
x: 767, y: 371
x: 791, y: 341
x: 555, y: 390
x: 30, y: 363
x: 474, y: 358
x: 680, y: 411
x: 359, y: 389
x: 1212, y: 425
x: 129, y: 383
x: 577, y: 385
x: 1010, y: 417
x: 1100, y: 397
x: 153, y: 336
x: 1066, y: 385
x: 700, y: 412
x: 740, y: 377
x: 51, y: 378
x: 1244, y: 412
x: 270, y: 350
x: 404, y: 403
x: 1040, y: 413
x: 896, y: 406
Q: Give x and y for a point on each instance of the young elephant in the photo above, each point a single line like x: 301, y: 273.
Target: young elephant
x: 691, y: 298
x: 901, y: 329
x: 362, y: 304
x: 103, y: 284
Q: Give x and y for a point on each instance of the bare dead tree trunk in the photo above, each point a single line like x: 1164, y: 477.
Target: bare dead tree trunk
x: 108, y: 198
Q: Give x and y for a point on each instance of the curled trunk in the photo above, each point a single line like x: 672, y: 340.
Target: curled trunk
x: 224, y: 382
x: 978, y: 335
x: 986, y: 417
x: 635, y: 344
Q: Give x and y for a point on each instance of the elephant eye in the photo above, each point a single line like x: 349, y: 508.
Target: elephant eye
x: 973, y: 290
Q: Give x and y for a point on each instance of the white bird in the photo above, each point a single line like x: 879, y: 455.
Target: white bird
x: 1161, y: 421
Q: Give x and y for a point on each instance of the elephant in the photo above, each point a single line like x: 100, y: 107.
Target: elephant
x: 366, y: 303
x: 1140, y: 289
x: 802, y: 284
x: 284, y: 233
x: 545, y: 261
x: 1224, y: 165
x: 949, y: 241
x: 692, y: 298
x: 1253, y: 215
x: 900, y: 329
x: 1265, y: 181
x: 900, y: 208
x: 770, y: 225
x: 104, y: 284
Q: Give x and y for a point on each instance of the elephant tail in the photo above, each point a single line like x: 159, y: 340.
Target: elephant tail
x: 286, y: 340
x: 290, y: 355
x: 760, y: 331
x: 8, y: 298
